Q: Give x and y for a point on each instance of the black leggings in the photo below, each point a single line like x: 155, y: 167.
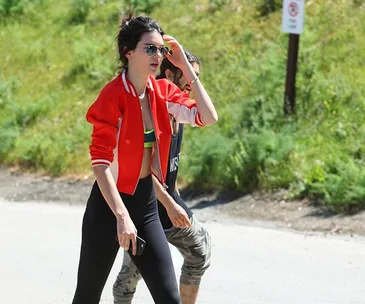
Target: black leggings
x: 99, y: 246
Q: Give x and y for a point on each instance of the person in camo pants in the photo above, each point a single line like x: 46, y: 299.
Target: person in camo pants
x: 181, y: 227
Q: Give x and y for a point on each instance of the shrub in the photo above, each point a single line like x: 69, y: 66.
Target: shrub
x: 7, y: 90
x: 266, y: 7
x: 206, y: 166
x: 80, y: 10
x: 12, y: 7
x: 142, y: 6
x: 19, y: 119
x: 260, y: 160
x: 216, y: 5
x: 89, y: 62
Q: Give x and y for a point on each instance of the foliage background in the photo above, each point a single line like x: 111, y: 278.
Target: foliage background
x: 57, y: 55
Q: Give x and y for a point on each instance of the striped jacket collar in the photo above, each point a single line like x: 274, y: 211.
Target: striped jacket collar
x: 128, y: 86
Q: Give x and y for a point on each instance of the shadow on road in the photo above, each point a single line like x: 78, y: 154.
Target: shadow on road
x: 200, y: 200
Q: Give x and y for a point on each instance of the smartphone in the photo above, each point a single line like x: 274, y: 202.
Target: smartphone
x: 141, y: 244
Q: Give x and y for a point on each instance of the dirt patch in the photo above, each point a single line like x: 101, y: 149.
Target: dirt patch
x: 274, y: 211
x: 264, y: 210
x: 17, y: 186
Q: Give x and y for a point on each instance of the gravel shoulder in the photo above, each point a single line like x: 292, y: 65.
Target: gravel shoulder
x: 269, y: 210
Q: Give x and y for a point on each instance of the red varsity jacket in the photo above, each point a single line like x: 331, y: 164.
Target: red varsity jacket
x: 118, y: 132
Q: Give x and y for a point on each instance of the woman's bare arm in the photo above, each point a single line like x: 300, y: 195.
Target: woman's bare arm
x: 126, y: 230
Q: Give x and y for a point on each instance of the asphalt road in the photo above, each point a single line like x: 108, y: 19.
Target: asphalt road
x: 40, y: 248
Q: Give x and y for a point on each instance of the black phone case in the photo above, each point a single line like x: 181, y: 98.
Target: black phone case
x: 141, y: 244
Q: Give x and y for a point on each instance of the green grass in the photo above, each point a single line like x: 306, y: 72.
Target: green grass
x: 56, y: 56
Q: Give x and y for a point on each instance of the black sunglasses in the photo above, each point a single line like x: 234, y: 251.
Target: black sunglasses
x: 151, y: 50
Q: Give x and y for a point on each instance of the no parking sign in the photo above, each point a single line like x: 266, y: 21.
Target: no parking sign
x: 293, y: 16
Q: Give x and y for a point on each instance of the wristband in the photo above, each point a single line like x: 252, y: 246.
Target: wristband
x: 194, y: 80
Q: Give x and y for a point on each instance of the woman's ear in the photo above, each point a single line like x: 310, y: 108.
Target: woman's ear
x: 170, y: 75
x: 127, y: 53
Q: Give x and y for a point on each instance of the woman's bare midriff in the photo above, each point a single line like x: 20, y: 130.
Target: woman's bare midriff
x: 146, y: 163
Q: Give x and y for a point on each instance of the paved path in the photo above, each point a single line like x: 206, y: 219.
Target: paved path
x: 40, y: 247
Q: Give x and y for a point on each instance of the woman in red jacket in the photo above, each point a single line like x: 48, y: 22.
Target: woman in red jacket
x: 130, y: 141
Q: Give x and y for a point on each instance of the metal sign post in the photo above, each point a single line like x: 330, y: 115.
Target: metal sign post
x: 293, y: 21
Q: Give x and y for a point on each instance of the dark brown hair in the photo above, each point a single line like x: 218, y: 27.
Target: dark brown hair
x: 131, y: 30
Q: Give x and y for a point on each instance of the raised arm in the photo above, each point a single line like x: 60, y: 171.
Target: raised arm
x: 204, y: 103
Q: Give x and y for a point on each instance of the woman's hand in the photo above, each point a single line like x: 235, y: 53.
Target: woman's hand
x: 178, y: 216
x: 178, y: 57
x: 127, y: 233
